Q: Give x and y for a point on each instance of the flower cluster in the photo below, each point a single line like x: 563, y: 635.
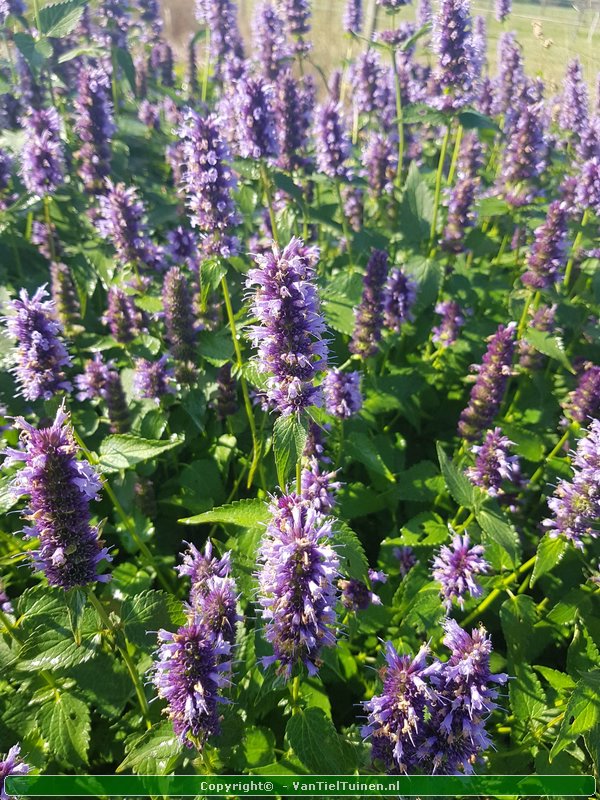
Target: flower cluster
x: 548, y: 255
x: 369, y: 314
x: 343, y: 397
x: 42, y: 157
x: 95, y: 126
x: 60, y: 488
x: 455, y: 568
x: 290, y: 337
x: 121, y: 220
x: 493, y: 464
x: 297, y: 594
x: 399, y: 298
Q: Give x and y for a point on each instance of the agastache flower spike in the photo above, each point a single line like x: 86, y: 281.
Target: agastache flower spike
x: 456, y: 568
x: 548, y: 255
x: 297, y: 594
x: 465, y: 690
x: 587, y: 193
x: 446, y: 333
x: 253, y: 113
x: 290, y: 336
x: 493, y: 464
x: 121, y: 220
x: 369, y: 313
x: 380, y: 160
x: 296, y: 14
x: 92, y: 382
x: 332, y: 140
x: 542, y: 319
x: 116, y: 402
x: 42, y: 157
x: 220, y: 18
x: 574, y: 110
x: 318, y: 488
x: 400, y: 294
x: 122, y: 316
x: 180, y: 320
x: 453, y: 43
x: 353, y: 13
x: 575, y: 505
x: 270, y: 44
x: 227, y: 402
x: 526, y: 151
x: 207, y: 179
x: 153, y: 379
x: 461, y: 216
x: 40, y: 355
x: 94, y: 124
x: 584, y: 402
x: 293, y: 104
x: 396, y: 716
x: 502, y: 9
x: 11, y: 763
x: 488, y: 391
x: 60, y: 488
x: 343, y: 397
x: 511, y: 74
x: 189, y: 674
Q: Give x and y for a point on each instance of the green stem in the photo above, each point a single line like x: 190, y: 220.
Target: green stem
x: 345, y: 229
x: 36, y: 14
x: 438, y: 187
x: 531, y: 298
x: 455, y: 154
x: 266, y: 182
x: 399, y: 120
x: 295, y: 691
x: 246, y: 395
x: 574, y: 249
x: 127, y: 660
x: 48, y: 220
x: 206, y: 71
x: 559, y: 445
x: 493, y: 595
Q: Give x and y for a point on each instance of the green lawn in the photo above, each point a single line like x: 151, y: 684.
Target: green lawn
x: 565, y: 32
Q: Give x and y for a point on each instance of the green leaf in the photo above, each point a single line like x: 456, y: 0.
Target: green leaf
x: 549, y: 345
x: 34, y: 51
x: 151, y: 752
x: 108, y: 696
x: 459, y: 486
x: 558, y: 680
x: 256, y: 750
x: 50, y: 643
x: 582, y: 713
x: 243, y: 513
x: 527, y: 698
x: 471, y: 120
x: 364, y: 450
x: 124, y: 450
x: 125, y: 61
x: 145, y: 613
x: 7, y: 498
x: 315, y: 741
x: 498, y: 528
x: 289, y: 440
x: 549, y: 554
x: 339, y: 313
x: 59, y: 19
x: 65, y: 723
x: 518, y: 615
x: 350, y: 550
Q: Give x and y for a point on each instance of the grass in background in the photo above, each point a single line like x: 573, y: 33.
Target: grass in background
x: 550, y: 35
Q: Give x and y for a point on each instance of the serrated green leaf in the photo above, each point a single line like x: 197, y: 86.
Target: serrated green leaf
x: 558, y: 680
x: 59, y: 19
x: 416, y: 210
x: 498, y: 528
x: 50, y: 643
x: 145, y: 613
x: 471, y: 119
x: 549, y: 553
x: 243, y: 513
x: 151, y: 752
x: 582, y: 713
x: 257, y: 748
x: 364, y: 450
x: 124, y: 450
x: 7, y: 498
x: 462, y: 490
x: 527, y: 698
x: 289, y: 440
x: 65, y: 723
x: 550, y: 345
x: 349, y: 548
x: 315, y: 741
x: 339, y: 313
x: 518, y: 615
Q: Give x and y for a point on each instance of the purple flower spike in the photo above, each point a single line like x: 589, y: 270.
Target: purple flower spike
x: 370, y: 312
x: 199, y: 567
x: 94, y: 124
x: 343, y: 397
x: 93, y: 381
x: 525, y: 155
x: 207, y: 180
x: 397, y: 716
x: 296, y: 14
x: 42, y: 157
x: 380, y: 160
x: 271, y: 47
x: 11, y: 763
x: 122, y: 316
x: 353, y: 16
x: 488, y: 391
x: 226, y: 48
x: 455, y: 567
x: 189, y: 674
x: 406, y: 559
x: 548, y: 256
x: 453, y: 43
x: 356, y: 595
x: 493, y: 464
x: 253, y: 113
x: 180, y: 320
x: 461, y: 215
x: 297, y: 594
x: 332, y: 140
x: 465, y: 697
x: 227, y: 401
x: 60, y: 488
x: 574, y: 110
x: 399, y: 299
x: 511, y: 73
x: 40, y: 354
x: 502, y: 9
x: 587, y: 193
x: 542, y: 319
x: 446, y: 333
x: 318, y: 487
x: 290, y: 336
x: 575, y: 505
x: 293, y: 104
x: 153, y: 379
x: 121, y: 220
x: 584, y: 402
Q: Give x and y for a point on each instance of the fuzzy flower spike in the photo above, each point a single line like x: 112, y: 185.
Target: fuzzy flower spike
x: 290, y: 337
x: 60, y: 488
